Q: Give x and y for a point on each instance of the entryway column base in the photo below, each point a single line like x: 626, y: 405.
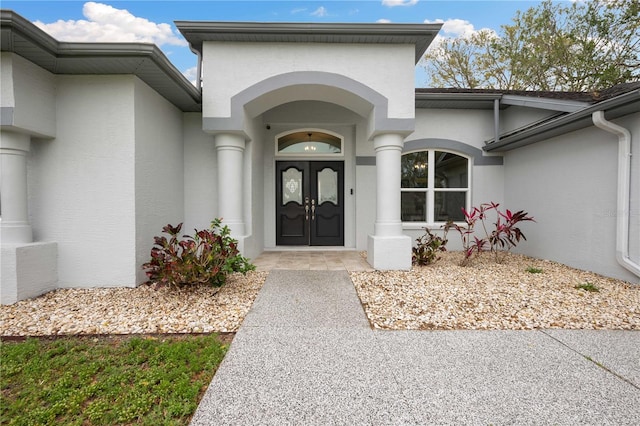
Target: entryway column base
x: 389, y: 253
x: 28, y: 270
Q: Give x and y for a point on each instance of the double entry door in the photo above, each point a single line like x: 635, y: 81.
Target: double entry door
x: 310, y: 203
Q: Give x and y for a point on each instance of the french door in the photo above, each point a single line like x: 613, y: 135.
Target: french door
x: 310, y: 203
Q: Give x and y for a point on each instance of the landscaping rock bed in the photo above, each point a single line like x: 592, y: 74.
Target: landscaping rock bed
x: 487, y: 295
x: 442, y: 296
x: 145, y: 309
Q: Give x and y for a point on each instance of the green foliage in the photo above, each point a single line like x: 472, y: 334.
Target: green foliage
x: 505, y: 235
x: 533, y: 270
x: 427, y: 247
x: 590, y: 287
x: 106, y: 381
x: 206, y: 258
x: 578, y: 46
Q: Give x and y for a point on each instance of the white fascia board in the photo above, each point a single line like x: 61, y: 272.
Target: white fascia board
x: 544, y: 103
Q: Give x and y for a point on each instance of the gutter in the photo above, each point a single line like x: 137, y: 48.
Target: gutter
x: 538, y: 133
x: 624, y: 186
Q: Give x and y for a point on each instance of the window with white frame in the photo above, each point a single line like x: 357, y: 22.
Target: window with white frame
x: 435, y: 186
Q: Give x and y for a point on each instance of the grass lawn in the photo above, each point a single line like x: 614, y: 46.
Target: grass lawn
x: 106, y: 380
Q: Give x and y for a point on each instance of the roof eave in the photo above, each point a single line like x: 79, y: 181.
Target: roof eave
x: 196, y: 32
x: 15, y: 23
x: 624, y: 104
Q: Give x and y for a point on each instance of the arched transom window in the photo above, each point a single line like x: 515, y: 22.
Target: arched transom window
x: 309, y: 142
x: 435, y: 186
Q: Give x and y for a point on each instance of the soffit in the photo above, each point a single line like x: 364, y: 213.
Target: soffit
x: 420, y: 35
x: 144, y: 60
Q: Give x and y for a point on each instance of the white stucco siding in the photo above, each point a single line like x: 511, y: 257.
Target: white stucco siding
x: 81, y: 184
x: 632, y: 123
x: 365, y: 204
x: 159, y: 173
x: 7, y: 99
x: 31, y: 91
x: 254, y: 195
x: 200, y: 174
x: 515, y: 117
x: 568, y: 184
x: 471, y: 127
x: 229, y: 68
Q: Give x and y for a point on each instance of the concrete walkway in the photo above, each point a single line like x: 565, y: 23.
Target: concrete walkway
x: 305, y: 355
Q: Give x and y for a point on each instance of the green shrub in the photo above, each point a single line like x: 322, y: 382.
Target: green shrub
x: 534, y: 270
x: 427, y: 247
x: 590, y: 287
x: 206, y: 258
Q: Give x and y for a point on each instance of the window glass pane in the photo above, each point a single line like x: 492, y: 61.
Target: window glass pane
x: 414, y: 206
x: 291, y: 186
x: 309, y: 143
x: 328, y: 186
x: 448, y: 206
x: 414, y: 170
x: 452, y: 171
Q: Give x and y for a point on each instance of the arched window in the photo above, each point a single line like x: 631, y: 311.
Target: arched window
x: 309, y: 142
x: 435, y: 186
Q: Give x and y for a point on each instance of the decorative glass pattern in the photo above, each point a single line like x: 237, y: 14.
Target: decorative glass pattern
x: 291, y: 186
x: 328, y: 186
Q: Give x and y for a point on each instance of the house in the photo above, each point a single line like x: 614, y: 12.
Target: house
x: 296, y: 135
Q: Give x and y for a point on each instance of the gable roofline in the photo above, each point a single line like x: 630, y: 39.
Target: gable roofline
x: 144, y: 60
x: 197, y: 32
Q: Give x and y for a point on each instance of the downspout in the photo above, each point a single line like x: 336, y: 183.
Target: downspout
x: 199, y: 72
x: 496, y: 120
x: 624, y: 186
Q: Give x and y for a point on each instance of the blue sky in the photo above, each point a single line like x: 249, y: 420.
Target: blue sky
x: 152, y: 20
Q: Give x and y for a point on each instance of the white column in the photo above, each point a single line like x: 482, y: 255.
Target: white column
x: 388, y: 148
x: 388, y: 248
x: 14, y: 224
x: 230, y: 151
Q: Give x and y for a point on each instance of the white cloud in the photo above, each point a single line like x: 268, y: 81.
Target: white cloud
x: 107, y: 24
x: 454, y: 27
x: 320, y: 12
x: 383, y: 21
x: 298, y: 10
x: 394, y: 3
x: 191, y: 74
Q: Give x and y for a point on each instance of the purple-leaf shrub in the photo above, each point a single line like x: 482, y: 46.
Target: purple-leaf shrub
x: 505, y: 235
x: 206, y: 258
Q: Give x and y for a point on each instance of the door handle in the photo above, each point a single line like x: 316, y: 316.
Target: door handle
x: 306, y: 208
x: 313, y: 209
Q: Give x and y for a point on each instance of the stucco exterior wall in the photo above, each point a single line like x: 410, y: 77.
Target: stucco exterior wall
x: 253, y: 190
x: 159, y: 173
x: 200, y: 175
x: 81, y: 184
x: 568, y: 183
x: 31, y: 92
x: 514, y: 117
x: 7, y: 99
x: 471, y: 127
x: 229, y: 68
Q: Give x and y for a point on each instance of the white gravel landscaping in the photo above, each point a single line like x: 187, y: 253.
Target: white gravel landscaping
x: 442, y: 296
x: 487, y: 295
x: 145, y: 309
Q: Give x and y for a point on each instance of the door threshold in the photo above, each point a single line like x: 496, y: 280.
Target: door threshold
x: 310, y: 248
